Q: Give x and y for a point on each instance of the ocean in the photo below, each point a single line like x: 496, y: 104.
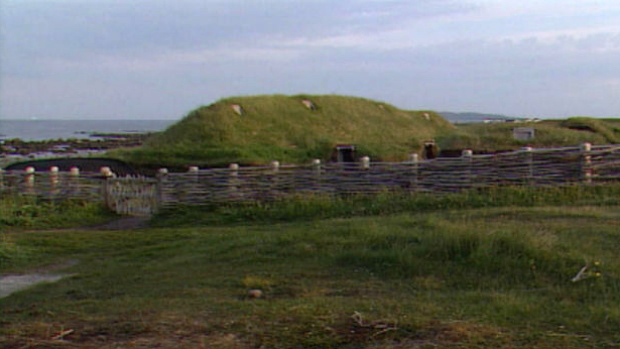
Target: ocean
x: 37, y: 130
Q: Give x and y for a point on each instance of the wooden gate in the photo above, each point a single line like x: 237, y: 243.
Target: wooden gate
x: 132, y: 196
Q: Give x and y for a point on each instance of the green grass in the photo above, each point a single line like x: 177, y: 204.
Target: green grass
x: 487, y: 274
x: 281, y: 128
x: 19, y: 213
x: 323, y: 207
x: 25, y: 212
x: 550, y: 133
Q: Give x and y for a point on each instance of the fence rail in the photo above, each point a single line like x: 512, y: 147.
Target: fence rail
x: 533, y: 167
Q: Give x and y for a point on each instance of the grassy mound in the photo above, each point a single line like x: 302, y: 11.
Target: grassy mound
x: 549, y: 133
x: 283, y: 128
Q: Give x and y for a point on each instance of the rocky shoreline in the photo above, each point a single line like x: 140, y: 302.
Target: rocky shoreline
x: 12, y: 150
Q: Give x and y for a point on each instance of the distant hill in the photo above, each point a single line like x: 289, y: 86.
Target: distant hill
x: 474, y: 117
x: 290, y: 129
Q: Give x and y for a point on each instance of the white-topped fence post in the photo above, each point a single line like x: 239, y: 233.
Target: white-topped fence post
x: 274, y: 178
x: 191, y: 184
x: 365, y: 183
x: 74, y: 181
x: 414, y: 160
x: 29, y: 181
x: 162, y: 175
x: 586, y: 163
x: 107, y: 173
x: 467, y: 156
x: 529, y: 163
x: 365, y: 162
x: 233, y: 182
x: 316, y: 166
x: 54, y: 180
x: 316, y: 169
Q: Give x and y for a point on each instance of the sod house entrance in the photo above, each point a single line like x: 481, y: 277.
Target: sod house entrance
x: 345, y: 153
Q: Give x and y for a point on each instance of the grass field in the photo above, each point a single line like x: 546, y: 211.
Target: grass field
x: 449, y: 276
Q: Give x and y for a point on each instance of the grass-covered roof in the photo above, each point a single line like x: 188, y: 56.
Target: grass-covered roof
x: 258, y: 129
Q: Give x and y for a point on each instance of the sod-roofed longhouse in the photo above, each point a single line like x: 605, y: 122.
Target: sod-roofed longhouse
x: 290, y: 129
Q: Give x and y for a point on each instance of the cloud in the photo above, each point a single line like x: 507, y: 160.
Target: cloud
x: 481, y: 55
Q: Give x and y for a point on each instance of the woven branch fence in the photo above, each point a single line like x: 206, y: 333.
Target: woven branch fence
x: 531, y: 167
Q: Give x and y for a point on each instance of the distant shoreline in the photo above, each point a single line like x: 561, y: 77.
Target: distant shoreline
x: 16, y: 150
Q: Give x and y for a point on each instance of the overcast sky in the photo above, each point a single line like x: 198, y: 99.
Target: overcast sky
x: 159, y: 59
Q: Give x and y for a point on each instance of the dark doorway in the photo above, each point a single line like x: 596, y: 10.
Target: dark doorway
x: 430, y: 150
x: 345, y: 153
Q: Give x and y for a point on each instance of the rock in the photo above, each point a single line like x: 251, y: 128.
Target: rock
x: 255, y: 294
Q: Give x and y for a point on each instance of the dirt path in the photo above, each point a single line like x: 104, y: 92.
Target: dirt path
x: 51, y: 273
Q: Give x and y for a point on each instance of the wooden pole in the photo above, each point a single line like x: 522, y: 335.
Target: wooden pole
x: 54, y: 180
x: 365, y: 161
x: 74, y: 181
x: 191, y: 186
x: 274, y: 180
x: 586, y: 163
x: 162, y: 174
x: 529, y: 162
x: 414, y: 159
x: 233, y: 181
x: 316, y: 166
x: 316, y: 174
x: 107, y: 174
x: 467, y: 156
x: 30, y: 181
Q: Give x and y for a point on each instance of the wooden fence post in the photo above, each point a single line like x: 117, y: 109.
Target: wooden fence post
x: 74, y: 181
x: 586, y: 163
x: 30, y: 181
x: 529, y: 162
x: 274, y: 185
x: 467, y: 156
x: 316, y: 166
x: 54, y: 180
x: 234, y: 170
x: 233, y: 180
x: 365, y: 161
x: 414, y: 159
x: 107, y: 174
x: 193, y: 172
x: 316, y: 174
x: 162, y: 173
x: 192, y: 183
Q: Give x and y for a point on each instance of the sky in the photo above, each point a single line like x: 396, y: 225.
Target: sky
x: 160, y: 59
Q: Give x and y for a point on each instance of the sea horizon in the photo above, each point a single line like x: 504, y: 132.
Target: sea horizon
x: 53, y: 129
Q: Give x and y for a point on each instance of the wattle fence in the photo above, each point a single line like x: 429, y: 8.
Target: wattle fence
x: 139, y: 195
